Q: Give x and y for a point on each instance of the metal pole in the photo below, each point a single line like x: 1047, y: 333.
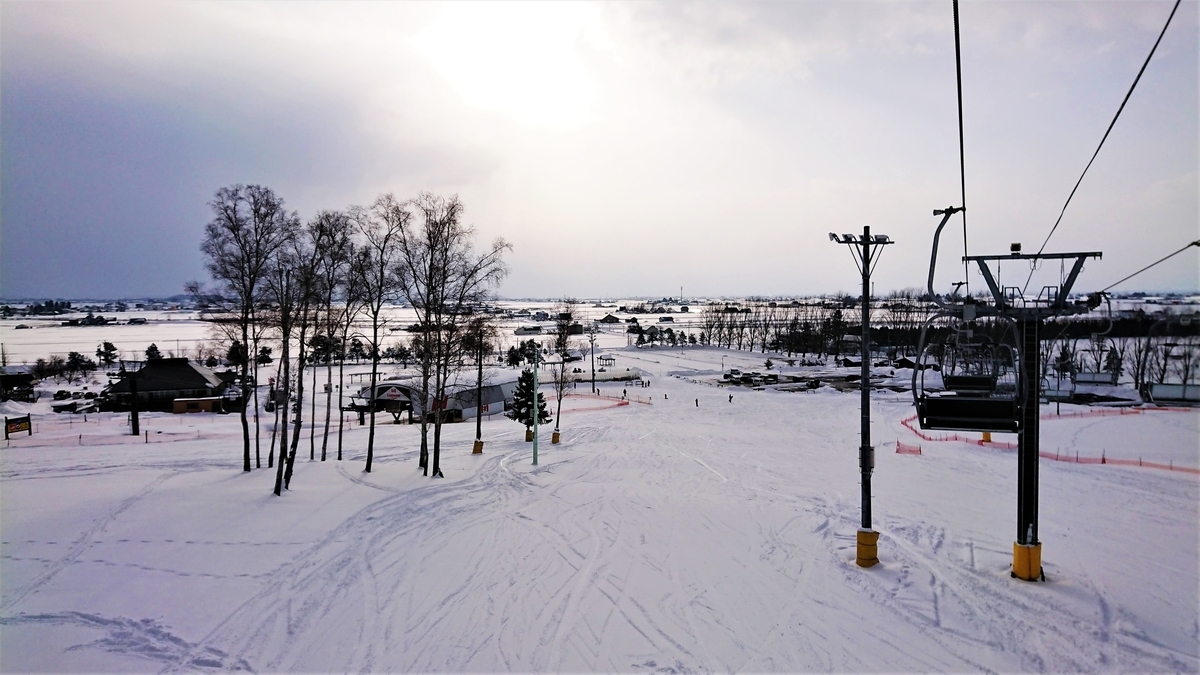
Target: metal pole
x: 864, y: 452
x: 1027, y: 551
x: 133, y: 405
x: 592, y: 338
x: 536, y: 349
x: 1027, y: 439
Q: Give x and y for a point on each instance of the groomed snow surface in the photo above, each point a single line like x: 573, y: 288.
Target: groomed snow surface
x: 657, y: 537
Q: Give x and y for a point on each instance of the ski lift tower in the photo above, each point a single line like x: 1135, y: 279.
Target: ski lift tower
x: 1029, y: 315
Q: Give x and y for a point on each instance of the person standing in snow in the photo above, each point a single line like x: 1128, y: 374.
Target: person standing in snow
x: 731, y: 398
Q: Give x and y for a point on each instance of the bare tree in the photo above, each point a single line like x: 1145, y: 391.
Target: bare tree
x: 249, y: 227
x: 283, y: 300
x: 376, y: 274
x: 334, y: 251
x: 306, y: 282
x: 444, y: 279
x: 349, y: 311
x: 561, y: 380
x: 564, y: 319
x: 480, y: 340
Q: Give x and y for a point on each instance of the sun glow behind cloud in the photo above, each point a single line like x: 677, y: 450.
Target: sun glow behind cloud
x: 521, y: 60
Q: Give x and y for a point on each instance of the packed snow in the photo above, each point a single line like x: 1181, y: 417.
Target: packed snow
x: 677, y: 530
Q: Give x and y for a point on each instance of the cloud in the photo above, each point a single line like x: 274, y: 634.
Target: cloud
x: 639, y: 146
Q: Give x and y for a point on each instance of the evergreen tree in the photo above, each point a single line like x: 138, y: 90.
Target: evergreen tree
x: 236, y: 355
x: 513, y: 357
x: 152, y: 353
x: 107, y: 353
x: 522, y: 407
x: 78, y: 365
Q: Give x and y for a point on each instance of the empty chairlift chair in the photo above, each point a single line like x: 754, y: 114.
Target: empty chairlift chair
x: 966, y: 376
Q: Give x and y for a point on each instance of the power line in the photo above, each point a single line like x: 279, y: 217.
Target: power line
x: 1163, y: 259
x: 962, y: 163
x: 1109, y: 130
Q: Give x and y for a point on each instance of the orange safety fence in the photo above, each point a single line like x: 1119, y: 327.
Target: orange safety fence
x: 904, y: 449
x: 1056, y: 456
x: 625, y: 400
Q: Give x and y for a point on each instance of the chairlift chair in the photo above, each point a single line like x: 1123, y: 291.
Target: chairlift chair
x: 966, y: 382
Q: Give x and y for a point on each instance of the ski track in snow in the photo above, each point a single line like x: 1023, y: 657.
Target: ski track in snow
x: 632, y: 549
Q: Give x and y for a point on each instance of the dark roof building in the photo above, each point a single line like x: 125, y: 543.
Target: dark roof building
x: 161, y: 381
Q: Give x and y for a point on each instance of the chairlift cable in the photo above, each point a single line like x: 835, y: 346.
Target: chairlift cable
x: 962, y: 164
x: 1163, y: 259
x: 1105, y: 137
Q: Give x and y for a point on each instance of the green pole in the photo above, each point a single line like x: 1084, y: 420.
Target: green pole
x: 535, y: 404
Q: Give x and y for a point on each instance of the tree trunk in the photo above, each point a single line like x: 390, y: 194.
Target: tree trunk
x: 257, y: 428
x: 328, y: 404
x: 301, y: 356
x: 286, y: 382
x: 371, y: 394
x: 341, y: 390
x: 312, y: 417
x: 245, y: 373
x: 479, y: 395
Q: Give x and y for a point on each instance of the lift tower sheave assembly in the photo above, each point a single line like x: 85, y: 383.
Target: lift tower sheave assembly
x: 977, y: 409
x: 1029, y: 316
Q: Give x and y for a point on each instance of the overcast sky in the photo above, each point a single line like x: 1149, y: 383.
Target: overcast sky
x: 622, y: 148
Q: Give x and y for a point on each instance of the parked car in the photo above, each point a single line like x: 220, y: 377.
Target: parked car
x: 62, y: 395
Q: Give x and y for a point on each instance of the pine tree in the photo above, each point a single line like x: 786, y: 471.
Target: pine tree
x: 522, y: 407
x: 107, y: 353
x: 152, y: 353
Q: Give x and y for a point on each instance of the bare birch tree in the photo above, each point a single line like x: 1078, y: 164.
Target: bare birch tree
x: 444, y: 279
x: 249, y: 227
x: 376, y: 273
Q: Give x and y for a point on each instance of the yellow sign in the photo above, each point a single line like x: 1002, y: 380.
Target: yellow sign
x: 13, y: 425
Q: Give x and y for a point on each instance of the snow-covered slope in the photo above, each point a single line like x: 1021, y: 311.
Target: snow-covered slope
x: 688, y: 533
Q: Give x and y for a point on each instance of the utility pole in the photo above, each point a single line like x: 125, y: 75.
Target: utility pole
x: 592, y: 339
x: 862, y: 250
x: 536, y: 349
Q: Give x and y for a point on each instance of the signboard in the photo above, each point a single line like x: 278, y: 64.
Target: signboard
x: 393, y: 394
x: 15, y: 425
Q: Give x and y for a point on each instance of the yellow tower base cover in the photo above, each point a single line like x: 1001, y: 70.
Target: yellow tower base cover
x: 1027, y: 561
x: 529, y: 435
x: 868, y: 548
x: 554, y: 438
x: 477, y: 449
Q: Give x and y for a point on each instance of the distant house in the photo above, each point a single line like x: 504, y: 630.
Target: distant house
x: 528, y: 330
x: 161, y: 381
x: 609, y: 318
x: 607, y: 360
x: 16, y: 383
x: 460, y: 402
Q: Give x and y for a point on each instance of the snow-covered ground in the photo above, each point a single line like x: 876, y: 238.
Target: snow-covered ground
x: 687, y: 533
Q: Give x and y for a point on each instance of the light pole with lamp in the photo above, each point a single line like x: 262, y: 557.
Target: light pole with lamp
x: 866, y: 255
